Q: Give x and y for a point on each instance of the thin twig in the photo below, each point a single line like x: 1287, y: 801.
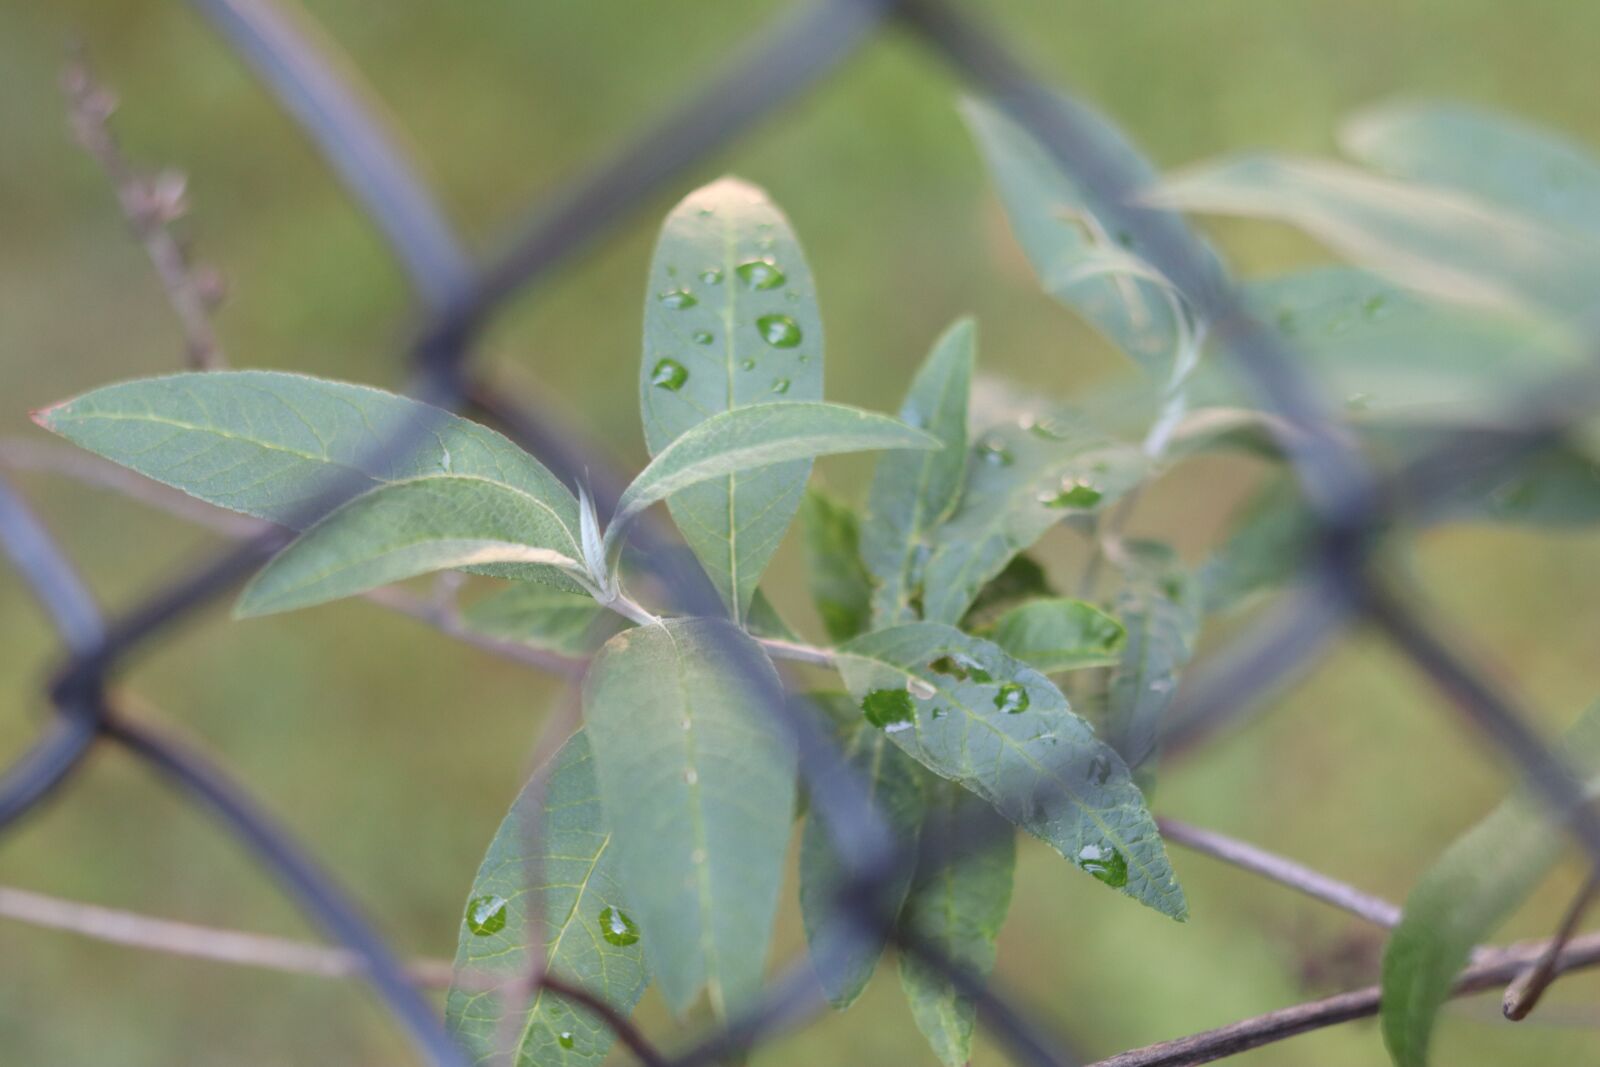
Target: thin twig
x: 241, y: 949
x: 177, y: 938
x: 1523, y: 994
x: 1285, y: 872
x: 1278, y: 1025
x: 150, y: 204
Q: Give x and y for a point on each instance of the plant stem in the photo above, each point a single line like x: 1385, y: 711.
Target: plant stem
x: 1523, y: 994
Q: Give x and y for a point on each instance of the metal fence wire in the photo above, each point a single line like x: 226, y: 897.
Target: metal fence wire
x: 1351, y: 504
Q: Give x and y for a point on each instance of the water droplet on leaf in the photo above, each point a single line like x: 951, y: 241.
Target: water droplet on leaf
x: 889, y: 708
x: 780, y: 385
x: 486, y: 915
x: 993, y: 451
x: 1012, y: 698
x: 702, y: 337
x: 779, y: 331
x: 669, y: 374
x: 678, y: 299
x: 1106, y: 864
x: 617, y: 928
x: 760, y: 274
x: 1072, y: 493
x: 713, y: 276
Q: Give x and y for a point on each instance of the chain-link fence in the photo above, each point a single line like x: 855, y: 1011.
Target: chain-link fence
x: 1352, y: 505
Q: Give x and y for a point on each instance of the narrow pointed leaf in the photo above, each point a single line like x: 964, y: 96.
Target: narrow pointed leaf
x: 1059, y: 634
x: 956, y: 907
x: 1019, y: 483
x: 763, y: 620
x: 913, y: 492
x: 1265, y: 549
x: 1020, y: 580
x: 970, y: 713
x: 848, y: 954
x: 570, y: 873
x: 1464, y: 896
x: 730, y: 320
x: 840, y: 585
x: 1160, y: 605
x: 1062, y: 231
x: 698, y: 786
x: 542, y: 617
x: 413, y: 527
x: 1435, y: 240
x: 1497, y: 158
x: 756, y: 437
x: 1380, y: 351
x: 269, y: 444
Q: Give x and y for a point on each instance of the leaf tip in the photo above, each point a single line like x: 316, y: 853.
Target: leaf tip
x: 46, y: 416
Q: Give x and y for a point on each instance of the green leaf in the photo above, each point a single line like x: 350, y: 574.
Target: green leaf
x: 1430, y: 239
x: 846, y: 955
x: 912, y: 493
x: 270, y: 444
x: 571, y: 873
x: 1066, y: 238
x: 1265, y: 549
x: 1464, y: 896
x: 970, y: 713
x: 1554, y: 486
x: 763, y: 620
x: 956, y: 906
x: 541, y: 617
x: 1059, y: 634
x: 840, y: 586
x: 1020, y: 482
x: 1021, y: 579
x: 412, y: 527
x: 698, y: 787
x: 1494, y: 157
x: 756, y: 436
x: 730, y: 319
x: 1381, y: 352
x: 1160, y: 605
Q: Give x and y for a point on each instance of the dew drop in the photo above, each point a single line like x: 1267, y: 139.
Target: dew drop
x: 803, y: 358
x: 1046, y: 428
x: 702, y: 337
x: 748, y: 364
x: 669, y: 374
x: 760, y: 274
x: 712, y: 276
x: 707, y: 212
x: 564, y: 1039
x: 779, y: 331
x: 1072, y: 493
x: 780, y: 385
x: 678, y: 299
x: 993, y: 451
x: 1375, y: 306
x: 1106, y: 864
x: 617, y: 928
x: 1012, y: 698
x: 889, y: 709
x: 1358, y: 401
x: 486, y: 915
x: 692, y: 777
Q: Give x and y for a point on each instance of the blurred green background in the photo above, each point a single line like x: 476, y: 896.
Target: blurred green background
x: 393, y: 753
